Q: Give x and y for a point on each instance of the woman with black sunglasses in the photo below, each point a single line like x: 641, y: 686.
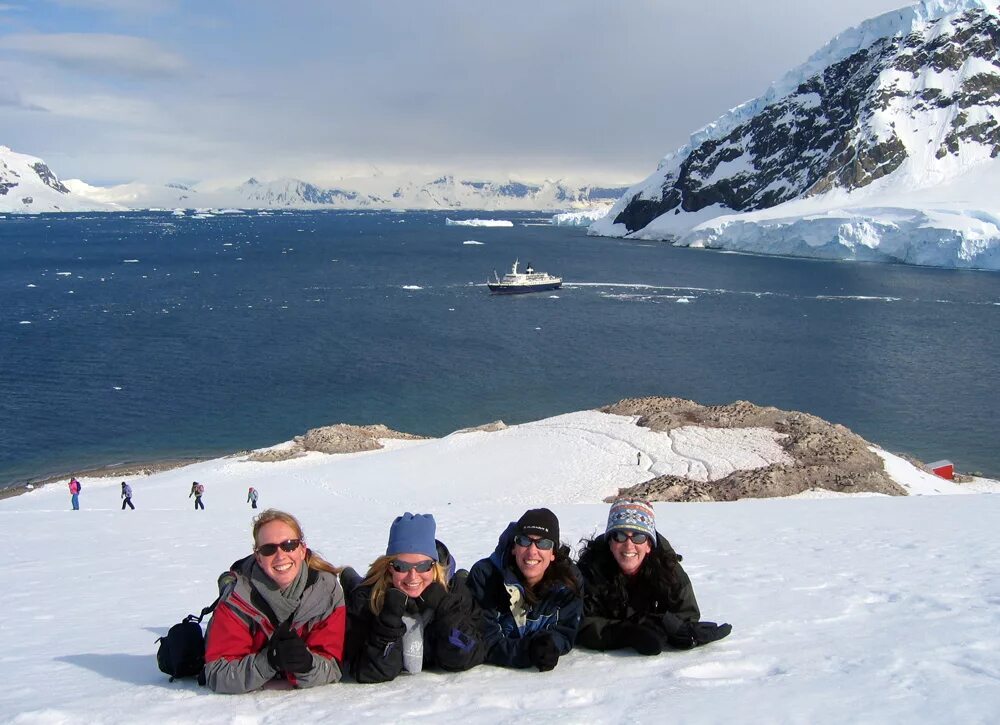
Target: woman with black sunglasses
x: 412, y: 610
x: 530, y: 592
x: 637, y: 593
x: 281, y: 614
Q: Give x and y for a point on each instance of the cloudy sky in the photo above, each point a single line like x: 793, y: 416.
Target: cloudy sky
x: 194, y: 90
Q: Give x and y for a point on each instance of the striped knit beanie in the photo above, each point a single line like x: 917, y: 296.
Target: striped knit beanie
x: 632, y: 514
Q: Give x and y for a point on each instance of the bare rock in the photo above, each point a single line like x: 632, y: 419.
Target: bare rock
x: 486, y: 427
x: 827, y: 455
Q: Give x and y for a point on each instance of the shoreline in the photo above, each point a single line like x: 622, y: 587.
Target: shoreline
x: 111, y: 470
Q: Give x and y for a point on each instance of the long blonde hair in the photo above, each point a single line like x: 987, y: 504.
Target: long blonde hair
x: 379, y: 578
x: 313, y: 559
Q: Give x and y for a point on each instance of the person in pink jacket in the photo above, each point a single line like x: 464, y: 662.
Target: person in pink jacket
x: 74, y: 492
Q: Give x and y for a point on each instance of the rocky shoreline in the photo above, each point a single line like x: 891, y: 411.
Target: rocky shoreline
x: 826, y: 455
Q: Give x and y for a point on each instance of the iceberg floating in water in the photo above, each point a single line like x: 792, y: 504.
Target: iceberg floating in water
x: 478, y: 223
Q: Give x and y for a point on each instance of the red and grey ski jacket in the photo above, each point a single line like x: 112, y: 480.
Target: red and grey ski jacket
x: 235, y: 647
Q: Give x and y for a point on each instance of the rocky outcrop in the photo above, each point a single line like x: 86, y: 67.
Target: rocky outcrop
x: 827, y: 455
x: 339, y: 438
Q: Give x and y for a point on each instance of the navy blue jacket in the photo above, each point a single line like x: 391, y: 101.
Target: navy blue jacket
x: 557, y: 612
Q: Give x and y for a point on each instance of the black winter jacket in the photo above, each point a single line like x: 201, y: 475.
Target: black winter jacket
x: 493, y: 581
x: 453, y: 639
x: 612, y: 599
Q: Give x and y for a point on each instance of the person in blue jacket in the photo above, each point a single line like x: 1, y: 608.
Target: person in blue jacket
x: 530, y: 592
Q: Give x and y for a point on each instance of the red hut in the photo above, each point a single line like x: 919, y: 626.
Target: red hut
x: 944, y: 469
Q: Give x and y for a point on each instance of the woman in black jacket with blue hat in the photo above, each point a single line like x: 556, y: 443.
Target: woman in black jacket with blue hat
x: 637, y: 593
x: 530, y: 593
x: 412, y: 610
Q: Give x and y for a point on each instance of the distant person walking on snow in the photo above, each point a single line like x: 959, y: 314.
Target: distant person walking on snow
x: 638, y: 458
x: 74, y: 491
x: 127, y: 496
x: 197, y: 490
x: 252, y: 497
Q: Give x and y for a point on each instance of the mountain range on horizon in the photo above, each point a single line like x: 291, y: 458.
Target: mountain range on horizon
x: 28, y: 185
x: 883, y: 146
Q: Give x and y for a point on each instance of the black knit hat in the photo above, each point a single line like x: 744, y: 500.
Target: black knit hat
x: 539, y: 522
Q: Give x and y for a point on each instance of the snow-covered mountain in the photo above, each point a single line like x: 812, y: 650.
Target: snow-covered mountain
x: 376, y: 192
x: 883, y: 146
x: 27, y: 185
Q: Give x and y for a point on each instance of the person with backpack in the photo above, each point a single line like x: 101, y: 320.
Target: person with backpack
x: 74, y: 493
x: 412, y: 610
x: 282, y: 619
x: 530, y: 593
x: 127, y: 496
x: 197, y: 490
x: 637, y: 594
x: 252, y: 497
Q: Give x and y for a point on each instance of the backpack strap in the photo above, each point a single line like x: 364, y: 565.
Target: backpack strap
x: 227, y: 583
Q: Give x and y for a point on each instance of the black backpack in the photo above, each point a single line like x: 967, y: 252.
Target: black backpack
x: 182, y: 651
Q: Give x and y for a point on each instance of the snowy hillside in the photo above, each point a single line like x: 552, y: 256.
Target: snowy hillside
x: 27, y: 185
x: 883, y: 146
x: 848, y: 609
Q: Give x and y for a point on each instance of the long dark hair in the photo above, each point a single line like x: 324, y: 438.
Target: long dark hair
x: 658, y: 571
x: 560, y: 573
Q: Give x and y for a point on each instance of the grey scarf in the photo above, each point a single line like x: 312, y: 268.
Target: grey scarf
x: 285, y: 601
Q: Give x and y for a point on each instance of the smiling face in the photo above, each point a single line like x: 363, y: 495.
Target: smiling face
x: 629, y: 555
x: 412, y: 582
x: 283, y: 566
x: 533, y: 561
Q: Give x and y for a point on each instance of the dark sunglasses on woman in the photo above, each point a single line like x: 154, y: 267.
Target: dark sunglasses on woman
x: 541, y: 544
x: 272, y: 549
x: 622, y: 536
x: 401, y: 567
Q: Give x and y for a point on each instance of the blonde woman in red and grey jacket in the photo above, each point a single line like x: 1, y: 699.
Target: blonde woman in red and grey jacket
x: 284, y: 618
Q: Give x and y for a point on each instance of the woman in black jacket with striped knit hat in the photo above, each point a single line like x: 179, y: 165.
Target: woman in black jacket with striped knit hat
x: 636, y: 592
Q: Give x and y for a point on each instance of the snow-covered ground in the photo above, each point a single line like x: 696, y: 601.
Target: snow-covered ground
x: 848, y: 609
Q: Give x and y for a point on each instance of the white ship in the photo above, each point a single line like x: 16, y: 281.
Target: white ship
x: 529, y: 280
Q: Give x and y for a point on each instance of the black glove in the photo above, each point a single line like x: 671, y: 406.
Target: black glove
x: 705, y: 632
x: 542, y: 652
x: 286, y: 652
x: 643, y: 640
x: 394, y: 603
x: 432, y: 596
x: 692, y: 634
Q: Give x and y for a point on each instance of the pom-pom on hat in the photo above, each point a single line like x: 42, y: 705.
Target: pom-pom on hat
x: 413, y: 534
x: 539, y: 522
x: 632, y: 514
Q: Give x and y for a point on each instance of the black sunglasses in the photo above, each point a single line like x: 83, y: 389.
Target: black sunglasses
x: 541, y: 544
x: 401, y: 567
x: 272, y: 549
x: 637, y: 537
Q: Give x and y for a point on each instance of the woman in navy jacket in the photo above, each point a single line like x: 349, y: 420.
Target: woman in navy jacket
x: 530, y: 592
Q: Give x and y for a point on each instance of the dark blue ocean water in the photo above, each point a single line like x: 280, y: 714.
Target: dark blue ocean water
x: 240, y: 331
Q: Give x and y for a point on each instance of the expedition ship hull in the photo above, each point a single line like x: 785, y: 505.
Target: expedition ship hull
x: 516, y: 289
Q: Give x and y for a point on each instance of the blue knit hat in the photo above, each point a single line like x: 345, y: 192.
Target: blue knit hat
x: 632, y: 514
x: 413, y: 534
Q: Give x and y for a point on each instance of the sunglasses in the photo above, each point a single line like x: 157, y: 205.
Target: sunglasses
x: 622, y: 536
x: 272, y: 549
x: 402, y: 567
x: 541, y: 544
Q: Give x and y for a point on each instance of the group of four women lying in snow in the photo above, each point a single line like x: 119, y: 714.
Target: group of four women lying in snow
x: 285, y: 615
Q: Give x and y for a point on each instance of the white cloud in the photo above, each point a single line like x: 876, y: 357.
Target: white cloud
x: 98, y: 52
